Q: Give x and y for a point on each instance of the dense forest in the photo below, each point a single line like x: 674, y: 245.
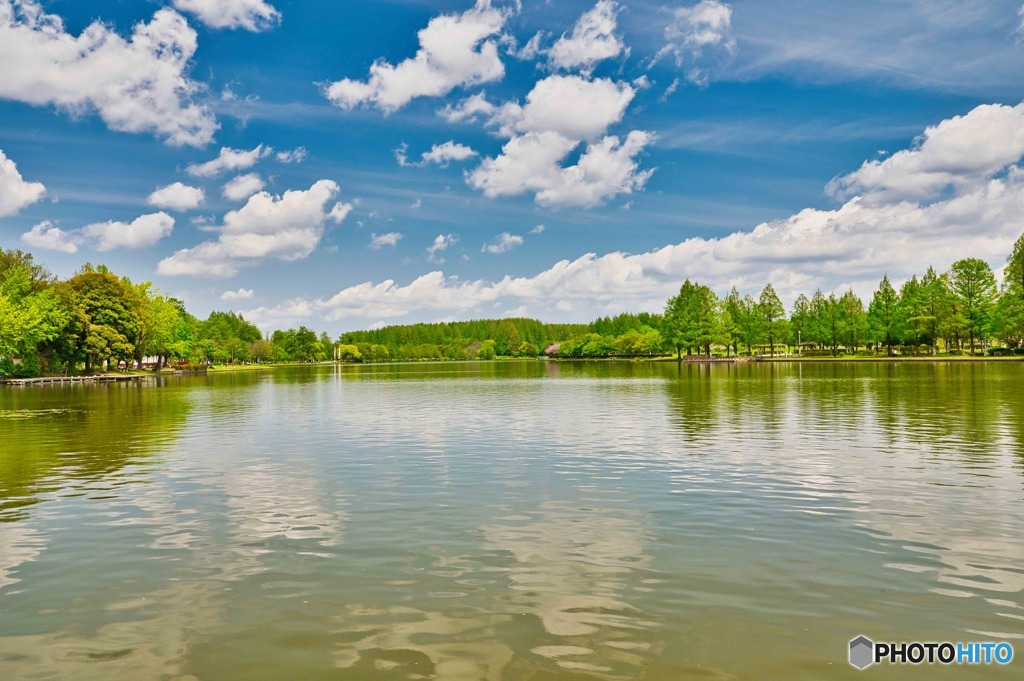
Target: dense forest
x: 95, y: 320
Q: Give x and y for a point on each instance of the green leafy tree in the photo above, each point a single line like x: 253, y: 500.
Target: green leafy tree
x: 913, y: 312
x: 772, y: 315
x: 831, y: 322
x: 974, y: 286
x: 883, y: 315
x: 733, y: 311
x: 1009, y: 315
x: 800, y: 321
x: 933, y: 295
x: 693, y: 319
x: 676, y: 321
x: 853, y: 321
x: 816, y: 319
x: 487, y: 350
x: 98, y: 298
x: 262, y: 350
x: 30, y: 315
x: 158, y: 318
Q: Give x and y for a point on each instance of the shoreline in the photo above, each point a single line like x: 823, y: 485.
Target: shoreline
x: 225, y: 369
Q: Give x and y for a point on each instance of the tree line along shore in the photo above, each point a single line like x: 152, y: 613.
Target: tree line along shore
x: 96, y: 320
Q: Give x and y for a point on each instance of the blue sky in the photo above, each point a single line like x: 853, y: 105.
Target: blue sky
x: 559, y: 160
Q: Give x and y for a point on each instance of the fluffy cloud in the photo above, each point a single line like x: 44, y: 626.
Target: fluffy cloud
x: 503, y: 243
x: 443, y: 154
x: 243, y: 186
x: 142, y: 232
x: 469, y: 109
x: 379, y: 241
x: 287, y: 227
x: 957, y: 152
x: 574, y: 107
x: 136, y: 85
x: 693, y: 31
x: 442, y: 242
x: 560, y: 113
x: 252, y: 15
x: 593, y: 39
x: 532, y: 163
x: 456, y: 50
x: 980, y: 214
x: 527, y: 162
x: 15, y: 192
x: 439, y: 154
x: 229, y: 160
x: 49, y: 237
x: 176, y: 196
x: 240, y: 294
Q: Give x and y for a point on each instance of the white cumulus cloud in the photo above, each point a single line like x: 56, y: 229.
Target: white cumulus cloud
x: 142, y: 232
x: 251, y: 15
x: 229, y: 160
x: 456, y: 50
x: 287, y: 227
x: 15, y: 192
x: 240, y: 294
x: 243, y: 186
x: 575, y: 107
x: 532, y: 163
x: 503, y: 243
x: 49, y: 237
x: 177, y: 196
x: 959, y: 151
x: 443, y: 154
x: 439, y: 154
x: 139, y: 84
x: 592, y: 40
x: 560, y: 113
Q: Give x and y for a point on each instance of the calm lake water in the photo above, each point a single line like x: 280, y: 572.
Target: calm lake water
x: 511, y: 521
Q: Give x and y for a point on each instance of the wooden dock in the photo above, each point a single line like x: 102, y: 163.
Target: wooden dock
x: 55, y: 380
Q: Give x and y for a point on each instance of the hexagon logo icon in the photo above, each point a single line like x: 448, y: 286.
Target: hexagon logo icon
x: 862, y: 652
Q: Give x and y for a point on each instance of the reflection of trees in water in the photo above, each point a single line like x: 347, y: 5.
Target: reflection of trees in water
x: 920, y: 452
x: 972, y: 408
x: 54, y: 437
x: 710, y: 401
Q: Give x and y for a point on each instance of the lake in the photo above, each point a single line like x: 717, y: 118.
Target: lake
x: 527, y: 520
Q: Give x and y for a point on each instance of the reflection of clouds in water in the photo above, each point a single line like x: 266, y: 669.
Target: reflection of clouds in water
x: 268, y: 501
x: 153, y: 648
x: 18, y: 545
x: 574, y: 568
x: 421, y: 644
